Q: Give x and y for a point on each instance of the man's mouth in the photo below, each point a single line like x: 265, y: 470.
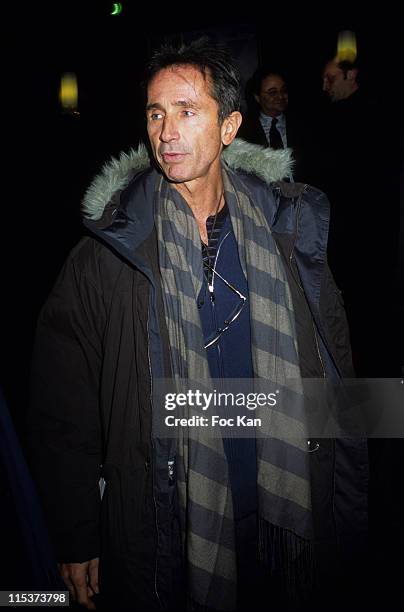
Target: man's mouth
x: 173, y: 156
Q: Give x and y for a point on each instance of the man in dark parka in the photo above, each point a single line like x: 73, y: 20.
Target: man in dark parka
x: 104, y: 336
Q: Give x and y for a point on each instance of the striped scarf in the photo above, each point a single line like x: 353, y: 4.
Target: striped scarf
x: 204, y: 492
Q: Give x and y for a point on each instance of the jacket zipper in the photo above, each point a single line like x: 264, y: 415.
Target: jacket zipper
x: 318, y: 349
x: 152, y: 460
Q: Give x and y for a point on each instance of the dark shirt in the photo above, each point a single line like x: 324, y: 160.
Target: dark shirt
x: 230, y: 356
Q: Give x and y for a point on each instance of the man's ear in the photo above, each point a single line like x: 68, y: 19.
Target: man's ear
x: 352, y: 74
x: 230, y: 127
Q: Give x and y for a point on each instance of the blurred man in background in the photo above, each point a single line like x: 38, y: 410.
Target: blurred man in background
x: 270, y: 122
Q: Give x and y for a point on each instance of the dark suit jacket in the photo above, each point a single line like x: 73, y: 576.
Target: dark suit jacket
x: 298, y: 138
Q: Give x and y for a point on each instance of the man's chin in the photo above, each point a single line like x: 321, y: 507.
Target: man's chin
x: 175, y: 179
x: 173, y: 173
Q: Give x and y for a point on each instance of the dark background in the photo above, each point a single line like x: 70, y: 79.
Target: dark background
x: 52, y: 156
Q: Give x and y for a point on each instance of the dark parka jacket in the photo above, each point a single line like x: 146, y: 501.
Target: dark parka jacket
x: 101, y: 338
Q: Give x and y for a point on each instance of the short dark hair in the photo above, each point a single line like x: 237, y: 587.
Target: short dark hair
x: 346, y: 65
x: 213, y: 60
x: 260, y: 74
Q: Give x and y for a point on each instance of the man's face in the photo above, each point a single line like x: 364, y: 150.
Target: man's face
x: 183, y: 124
x: 273, y: 96
x: 335, y: 84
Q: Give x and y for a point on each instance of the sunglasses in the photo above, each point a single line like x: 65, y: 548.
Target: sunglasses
x: 235, y: 312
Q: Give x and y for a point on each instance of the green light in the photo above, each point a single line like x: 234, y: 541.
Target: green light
x: 116, y: 8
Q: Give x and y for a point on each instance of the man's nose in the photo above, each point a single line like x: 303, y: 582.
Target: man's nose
x: 169, y: 131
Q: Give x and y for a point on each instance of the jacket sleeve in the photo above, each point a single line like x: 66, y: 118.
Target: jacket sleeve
x: 64, y: 433
x: 333, y: 313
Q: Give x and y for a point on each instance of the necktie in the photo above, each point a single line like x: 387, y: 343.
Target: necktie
x: 275, y: 140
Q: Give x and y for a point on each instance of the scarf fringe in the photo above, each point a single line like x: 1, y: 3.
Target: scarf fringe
x: 289, y: 559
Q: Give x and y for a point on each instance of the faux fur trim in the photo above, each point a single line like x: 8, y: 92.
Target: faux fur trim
x: 115, y: 176
x: 267, y: 164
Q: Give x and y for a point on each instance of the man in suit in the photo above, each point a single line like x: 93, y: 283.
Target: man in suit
x: 269, y: 123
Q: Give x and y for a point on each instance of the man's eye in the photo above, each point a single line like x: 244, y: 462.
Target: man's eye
x: 188, y: 113
x: 155, y: 116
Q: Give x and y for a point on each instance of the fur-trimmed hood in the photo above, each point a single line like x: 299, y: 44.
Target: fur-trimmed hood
x: 265, y: 163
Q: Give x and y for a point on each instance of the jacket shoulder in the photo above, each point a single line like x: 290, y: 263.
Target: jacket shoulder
x: 93, y: 264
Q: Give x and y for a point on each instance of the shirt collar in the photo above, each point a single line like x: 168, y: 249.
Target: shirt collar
x: 267, y: 120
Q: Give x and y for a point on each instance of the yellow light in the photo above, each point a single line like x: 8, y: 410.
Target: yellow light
x: 346, y: 50
x: 68, y: 93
